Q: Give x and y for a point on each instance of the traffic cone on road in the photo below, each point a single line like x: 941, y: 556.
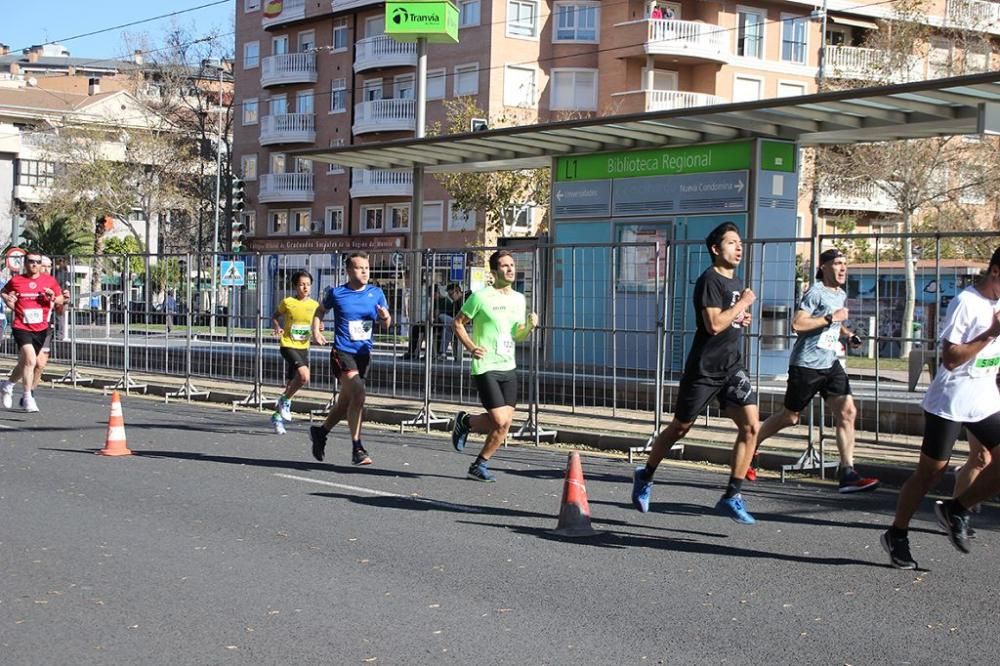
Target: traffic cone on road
x: 574, y: 514
x: 114, y: 443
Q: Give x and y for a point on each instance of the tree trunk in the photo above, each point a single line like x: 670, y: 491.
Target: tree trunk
x: 910, y: 296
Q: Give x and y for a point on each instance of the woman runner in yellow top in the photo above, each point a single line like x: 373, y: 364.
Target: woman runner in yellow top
x: 292, y: 324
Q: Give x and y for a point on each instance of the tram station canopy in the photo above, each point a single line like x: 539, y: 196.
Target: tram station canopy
x: 939, y: 107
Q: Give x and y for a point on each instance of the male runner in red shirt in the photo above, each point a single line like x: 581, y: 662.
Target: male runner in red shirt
x: 31, y: 296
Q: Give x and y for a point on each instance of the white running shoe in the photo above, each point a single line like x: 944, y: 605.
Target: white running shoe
x: 7, y: 394
x: 29, y: 404
x: 285, y: 408
x: 278, y: 424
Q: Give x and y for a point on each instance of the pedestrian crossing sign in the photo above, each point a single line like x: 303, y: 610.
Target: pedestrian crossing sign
x: 233, y: 274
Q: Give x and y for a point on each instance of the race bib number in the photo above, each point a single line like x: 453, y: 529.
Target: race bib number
x: 299, y: 332
x: 505, y: 346
x: 360, y: 329
x: 829, y: 340
x: 984, y: 366
x: 33, y: 316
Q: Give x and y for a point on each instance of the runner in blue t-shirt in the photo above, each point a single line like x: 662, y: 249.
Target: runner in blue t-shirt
x: 356, y: 306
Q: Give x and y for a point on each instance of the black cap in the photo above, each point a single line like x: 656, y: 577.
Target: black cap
x: 828, y: 256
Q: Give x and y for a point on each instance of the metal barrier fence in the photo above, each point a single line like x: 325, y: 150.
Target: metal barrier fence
x: 615, y: 323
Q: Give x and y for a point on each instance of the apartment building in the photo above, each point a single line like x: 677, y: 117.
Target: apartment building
x: 323, y: 73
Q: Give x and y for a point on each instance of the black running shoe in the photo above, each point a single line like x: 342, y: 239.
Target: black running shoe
x: 957, y: 527
x: 899, y: 551
x: 360, y: 457
x: 460, y: 432
x: 318, y: 436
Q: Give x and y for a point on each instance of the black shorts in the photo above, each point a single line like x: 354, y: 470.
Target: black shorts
x: 940, y: 434
x: 344, y: 362
x: 47, y: 345
x: 497, y: 388
x: 34, y: 338
x: 695, y: 392
x: 804, y: 383
x: 294, y: 359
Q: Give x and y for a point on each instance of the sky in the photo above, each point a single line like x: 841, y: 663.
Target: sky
x: 24, y: 23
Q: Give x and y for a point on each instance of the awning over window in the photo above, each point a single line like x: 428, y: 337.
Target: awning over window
x: 857, y: 23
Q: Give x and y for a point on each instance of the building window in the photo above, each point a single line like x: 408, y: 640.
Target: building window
x: 466, y: 79
x: 250, y: 112
x: 301, y: 221
x: 433, y: 216
x: 251, y: 5
x: 791, y: 89
x: 333, y: 220
x: 746, y: 89
x: 435, y: 83
x: 277, y: 222
x: 519, y: 86
x: 251, y: 55
x: 338, y: 96
x: 36, y: 173
x: 460, y: 220
x: 399, y: 217
x: 574, y: 90
x: 468, y: 13
x: 371, y: 219
x: 335, y: 168
x: 304, y: 102
x: 518, y: 220
x: 793, y: 39
x: 576, y: 22
x: 750, y: 33
x: 404, y: 87
x: 303, y: 165
x: 340, y: 42
x: 278, y: 105
x: 522, y: 18
x: 307, y: 41
x: 249, y: 222
x: 248, y: 167
x: 973, y: 186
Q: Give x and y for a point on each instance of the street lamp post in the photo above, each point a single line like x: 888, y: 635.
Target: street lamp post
x: 218, y: 205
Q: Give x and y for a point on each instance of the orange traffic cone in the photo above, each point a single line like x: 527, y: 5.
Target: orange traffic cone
x: 114, y: 443
x: 574, y: 514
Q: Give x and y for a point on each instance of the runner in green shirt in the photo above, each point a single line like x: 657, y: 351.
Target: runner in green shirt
x: 497, y: 315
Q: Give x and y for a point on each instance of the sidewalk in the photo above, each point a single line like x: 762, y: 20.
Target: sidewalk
x: 599, y: 428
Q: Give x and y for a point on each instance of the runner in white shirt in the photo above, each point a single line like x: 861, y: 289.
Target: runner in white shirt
x: 963, y: 393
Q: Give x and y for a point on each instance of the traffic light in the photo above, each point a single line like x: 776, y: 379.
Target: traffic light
x: 239, y: 195
x: 239, y: 232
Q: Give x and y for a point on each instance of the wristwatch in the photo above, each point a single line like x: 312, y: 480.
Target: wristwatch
x: 829, y: 319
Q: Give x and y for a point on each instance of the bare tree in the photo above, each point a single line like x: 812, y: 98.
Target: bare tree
x: 499, y: 195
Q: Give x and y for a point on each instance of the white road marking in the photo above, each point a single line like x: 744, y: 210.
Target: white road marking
x: 7, y: 427
x: 381, y: 493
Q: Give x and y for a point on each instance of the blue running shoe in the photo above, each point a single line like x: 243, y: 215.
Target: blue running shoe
x: 641, y: 490
x: 459, y: 432
x: 735, y: 509
x: 479, y: 472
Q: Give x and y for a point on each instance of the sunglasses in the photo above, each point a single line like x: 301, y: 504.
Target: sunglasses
x: 33, y: 261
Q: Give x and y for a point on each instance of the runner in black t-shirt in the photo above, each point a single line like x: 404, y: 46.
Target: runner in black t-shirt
x: 714, y: 369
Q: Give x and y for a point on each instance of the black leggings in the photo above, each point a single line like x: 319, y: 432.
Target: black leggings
x: 940, y: 434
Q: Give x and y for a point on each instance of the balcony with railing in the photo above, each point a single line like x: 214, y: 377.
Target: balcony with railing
x: 288, y: 128
x: 385, y: 115
x: 855, y: 62
x: 383, y: 51
x: 381, y: 183
x: 686, y: 41
x: 974, y: 15
x: 854, y: 196
x: 342, y: 5
x: 286, y: 188
x: 278, y: 12
x: 637, y: 101
x: 288, y: 68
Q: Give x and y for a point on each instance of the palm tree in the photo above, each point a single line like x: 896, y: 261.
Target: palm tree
x: 58, y: 236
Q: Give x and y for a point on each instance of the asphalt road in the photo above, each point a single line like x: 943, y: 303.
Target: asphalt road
x: 221, y: 543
